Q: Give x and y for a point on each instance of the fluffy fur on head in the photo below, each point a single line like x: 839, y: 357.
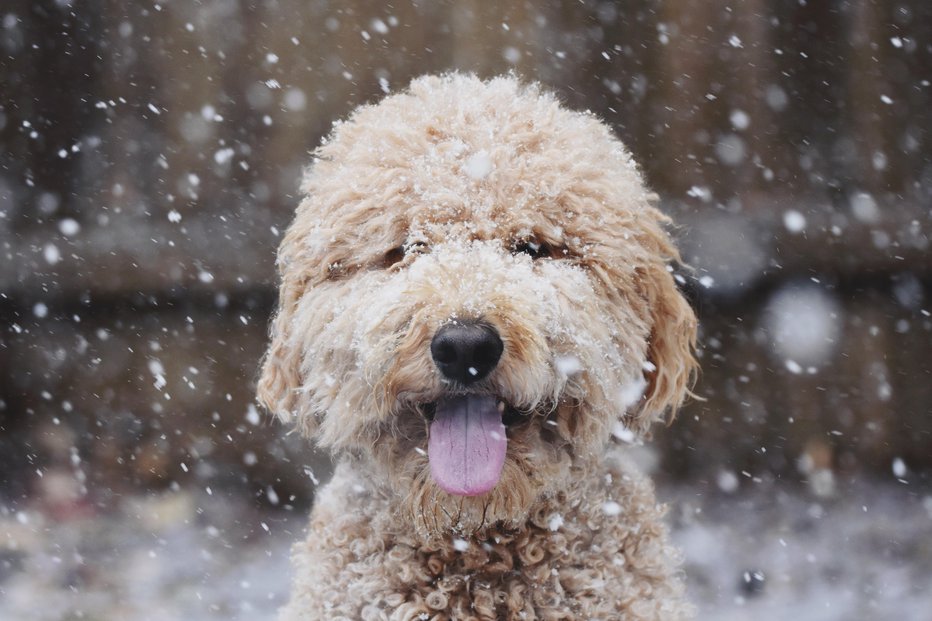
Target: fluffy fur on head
x: 461, y: 199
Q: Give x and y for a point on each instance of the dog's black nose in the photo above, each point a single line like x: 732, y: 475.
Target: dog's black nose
x: 466, y: 352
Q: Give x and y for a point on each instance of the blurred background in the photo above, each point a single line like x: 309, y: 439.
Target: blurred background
x: 149, y: 159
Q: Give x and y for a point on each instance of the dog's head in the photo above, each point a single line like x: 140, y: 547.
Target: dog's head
x: 475, y: 291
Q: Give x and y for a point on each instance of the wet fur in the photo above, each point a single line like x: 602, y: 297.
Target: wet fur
x: 397, y: 235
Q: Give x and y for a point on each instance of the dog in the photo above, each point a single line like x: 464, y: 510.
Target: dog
x: 476, y: 298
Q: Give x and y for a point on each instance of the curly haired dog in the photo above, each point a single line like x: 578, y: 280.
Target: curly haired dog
x: 475, y: 294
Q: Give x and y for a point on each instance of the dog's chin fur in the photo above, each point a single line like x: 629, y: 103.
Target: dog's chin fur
x: 464, y: 200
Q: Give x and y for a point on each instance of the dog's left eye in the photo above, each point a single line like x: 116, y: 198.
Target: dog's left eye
x: 416, y: 247
x: 532, y: 248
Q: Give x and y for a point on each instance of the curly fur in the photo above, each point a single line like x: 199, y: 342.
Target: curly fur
x: 414, y: 211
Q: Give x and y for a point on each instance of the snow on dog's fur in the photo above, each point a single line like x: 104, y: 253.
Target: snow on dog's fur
x: 470, y: 202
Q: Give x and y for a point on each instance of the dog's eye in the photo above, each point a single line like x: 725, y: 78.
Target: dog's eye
x: 397, y: 254
x: 417, y: 247
x: 533, y: 248
x: 393, y: 256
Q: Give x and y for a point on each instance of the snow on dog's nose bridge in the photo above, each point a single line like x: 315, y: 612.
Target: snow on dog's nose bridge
x: 472, y: 279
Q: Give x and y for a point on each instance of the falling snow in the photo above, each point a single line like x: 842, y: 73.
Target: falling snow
x: 611, y: 508
x: 69, y: 227
x: 478, y: 166
x: 568, y: 366
x: 794, y: 221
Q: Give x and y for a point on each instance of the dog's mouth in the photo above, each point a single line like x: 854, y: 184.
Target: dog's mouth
x: 467, y: 441
x: 511, y: 416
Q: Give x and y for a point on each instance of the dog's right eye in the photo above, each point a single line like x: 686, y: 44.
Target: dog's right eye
x: 397, y: 254
x: 393, y: 256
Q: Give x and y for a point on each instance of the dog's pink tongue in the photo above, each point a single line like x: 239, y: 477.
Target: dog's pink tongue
x: 467, y: 445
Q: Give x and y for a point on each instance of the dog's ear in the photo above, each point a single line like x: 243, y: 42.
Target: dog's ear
x: 279, y: 385
x: 280, y: 377
x: 671, y: 366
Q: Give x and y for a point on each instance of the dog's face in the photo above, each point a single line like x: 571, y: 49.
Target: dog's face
x: 475, y: 292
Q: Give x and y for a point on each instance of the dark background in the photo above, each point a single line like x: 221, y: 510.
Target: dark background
x: 149, y: 158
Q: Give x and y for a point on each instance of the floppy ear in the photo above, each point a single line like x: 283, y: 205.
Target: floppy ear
x: 672, y: 367
x: 279, y: 386
x: 280, y: 379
